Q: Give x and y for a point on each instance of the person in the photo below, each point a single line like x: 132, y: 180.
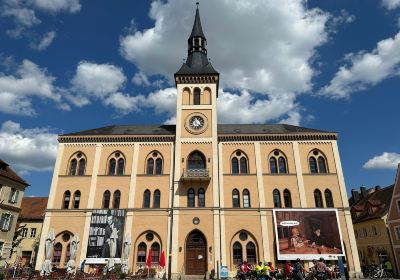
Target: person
x: 387, y: 265
x: 245, y: 270
x: 272, y: 271
x: 321, y: 269
x: 266, y: 271
x: 259, y: 269
x: 111, y: 240
x: 297, y: 241
x: 318, y: 239
x: 298, y: 270
x: 288, y: 270
x: 83, y: 265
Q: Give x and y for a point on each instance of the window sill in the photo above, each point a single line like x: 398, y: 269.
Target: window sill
x: 86, y: 175
x: 106, y: 175
x: 318, y: 174
x: 240, y: 174
x: 279, y: 174
x: 148, y: 175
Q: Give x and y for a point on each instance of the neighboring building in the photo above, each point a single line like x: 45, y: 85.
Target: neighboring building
x: 12, y: 188
x: 30, y: 222
x: 394, y: 220
x: 369, y: 211
x: 199, y: 191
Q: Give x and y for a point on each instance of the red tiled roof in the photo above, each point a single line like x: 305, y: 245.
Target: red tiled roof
x: 6, y: 171
x: 32, y: 208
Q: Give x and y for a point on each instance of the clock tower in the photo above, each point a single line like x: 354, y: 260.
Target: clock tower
x: 196, y: 189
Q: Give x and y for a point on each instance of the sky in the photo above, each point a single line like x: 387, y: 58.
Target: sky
x: 71, y: 65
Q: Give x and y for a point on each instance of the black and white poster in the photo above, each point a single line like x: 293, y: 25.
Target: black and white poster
x: 106, y: 234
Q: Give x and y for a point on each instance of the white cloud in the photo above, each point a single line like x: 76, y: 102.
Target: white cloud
x: 259, y: 46
x: 365, y: 69
x: 391, y: 4
x: 140, y: 79
x: 56, y: 6
x: 123, y: 103
x: 23, y: 18
x: 97, y: 80
x: 46, y: 41
x: 384, y: 161
x: 27, y: 150
x: 20, y: 88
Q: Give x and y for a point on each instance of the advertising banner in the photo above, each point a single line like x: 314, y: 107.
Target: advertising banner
x: 106, y: 235
x: 308, y: 234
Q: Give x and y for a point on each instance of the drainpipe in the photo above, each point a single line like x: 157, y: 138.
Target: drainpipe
x: 172, y: 219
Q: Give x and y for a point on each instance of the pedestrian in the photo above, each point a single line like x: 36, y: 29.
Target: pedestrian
x: 298, y: 270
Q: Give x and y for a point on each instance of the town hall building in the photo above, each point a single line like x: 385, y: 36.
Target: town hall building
x: 201, y: 193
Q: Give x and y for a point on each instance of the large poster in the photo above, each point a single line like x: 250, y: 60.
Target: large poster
x: 105, y: 235
x: 307, y: 234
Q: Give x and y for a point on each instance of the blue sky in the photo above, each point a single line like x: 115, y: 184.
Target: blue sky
x: 70, y: 65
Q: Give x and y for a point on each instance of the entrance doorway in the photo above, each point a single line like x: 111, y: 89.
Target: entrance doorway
x: 196, y: 254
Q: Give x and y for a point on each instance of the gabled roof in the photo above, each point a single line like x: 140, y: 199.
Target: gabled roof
x: 33, y: 208
x: 379, y: 199
x: 7, y: 172
x: 223, y: 129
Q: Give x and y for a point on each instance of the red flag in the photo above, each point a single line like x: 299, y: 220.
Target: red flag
x: 162, y: 260
x: 148, y: 262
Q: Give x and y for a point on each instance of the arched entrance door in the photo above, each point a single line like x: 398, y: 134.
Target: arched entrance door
x: 196, y: 254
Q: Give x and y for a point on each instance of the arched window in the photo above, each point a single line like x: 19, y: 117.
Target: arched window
x: 317, y: 162
x: 190, y: 197
x: 313, y: 165
x: 106, y: 199
x: 67, y: 253
x: 201, y: 198
x: 156, y: 199
x: 116, y: 164
x: 277, y: 199
x: 235, y: 198
x: 150, y: 166
x: 239, y: 163
x: 82, y: 166
x: 318, y: 199
x: 146, y: 199
x: 235, y: 166
x: 277, y: 162
x: 237, y: 253
x: 154, y: 164
x: 282, y: 165
x: 321, y: 165
x: 273, y: 166
x: 141, y: 252
x: 196, y: 160
x: 73, y: 166
x: 287, y: 198
x: 158, y: 166
x: 251, y: 253
x: 77, y: 164
x: 196, y: 96
x: 155, y: 250
x: 111, y: 167
x: 246, y: 198
x: 77, y: 199
x: 116, y: 199
x: 120, y: 166
x: 57, y: 253
x: 66, y: 200
x: 243, y: 165
x: 329, y: 199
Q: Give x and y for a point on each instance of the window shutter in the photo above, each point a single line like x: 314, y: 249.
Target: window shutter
x: 16, y: 196
x: 2, y: 220
x: 10, y: 223
x: 11, y: 195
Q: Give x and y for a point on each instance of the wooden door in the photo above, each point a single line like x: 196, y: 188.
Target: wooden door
x: 196, y: 254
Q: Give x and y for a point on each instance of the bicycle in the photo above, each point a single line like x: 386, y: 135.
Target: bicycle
x: 381, y: 273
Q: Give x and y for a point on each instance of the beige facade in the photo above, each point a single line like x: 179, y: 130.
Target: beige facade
x: 394, y: 220
x: 216, y: 182
x: 12, y: 189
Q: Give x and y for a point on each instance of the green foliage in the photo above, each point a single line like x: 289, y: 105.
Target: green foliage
x: 2, y: 276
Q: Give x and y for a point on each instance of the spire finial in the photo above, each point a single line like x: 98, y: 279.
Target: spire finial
x: 197, y: 4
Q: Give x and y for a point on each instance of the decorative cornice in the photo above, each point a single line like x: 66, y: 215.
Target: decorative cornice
x: 277, y: 137
x: 196, y: 79
x: 117, y: 138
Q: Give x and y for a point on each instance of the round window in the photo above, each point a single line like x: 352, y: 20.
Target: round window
x: 155, y: 154
x: 79, y: 155
x: 117, y: 154
x: 149, y: 236
x: 315, y: 152
x: 276, y: 153
x: 66, y: 237
x: 196, y: 221
x: 243, y: 236
x: 238, y: 153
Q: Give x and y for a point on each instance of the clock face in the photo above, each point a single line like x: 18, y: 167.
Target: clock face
x: 196, y: 122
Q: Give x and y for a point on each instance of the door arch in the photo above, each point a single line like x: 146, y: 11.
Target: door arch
x: 196, y: 253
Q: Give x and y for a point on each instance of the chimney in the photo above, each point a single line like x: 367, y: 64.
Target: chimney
x: 377, y: 188
x: 355, y: 195
x: 363, y: 190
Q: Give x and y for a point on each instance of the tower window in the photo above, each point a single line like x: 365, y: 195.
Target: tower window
x: 196, y: 96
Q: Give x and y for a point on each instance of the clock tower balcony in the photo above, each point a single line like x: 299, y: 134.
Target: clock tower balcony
x: 196, y: 174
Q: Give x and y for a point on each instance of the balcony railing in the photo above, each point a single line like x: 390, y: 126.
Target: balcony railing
x: 196, y: 174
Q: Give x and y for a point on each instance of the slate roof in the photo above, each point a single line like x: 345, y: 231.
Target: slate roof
x: 223, y: 129
x: 380, y: 198
x: 7, y: 172
x: 33, y: 208
x: 197, y: 30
